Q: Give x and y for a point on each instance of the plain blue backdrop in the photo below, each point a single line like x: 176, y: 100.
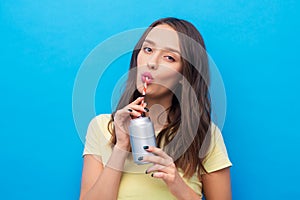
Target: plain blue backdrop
x: 255, y: 45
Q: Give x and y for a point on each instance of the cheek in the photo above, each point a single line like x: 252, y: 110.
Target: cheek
x: 178, y: 67
x: 140, y: 60
x: 172, y: 71
x: 169, y: 78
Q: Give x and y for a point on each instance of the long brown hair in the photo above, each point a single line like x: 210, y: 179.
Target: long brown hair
x: 184, y: 131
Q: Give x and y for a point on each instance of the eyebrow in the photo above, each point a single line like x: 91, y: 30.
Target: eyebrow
x: 167, y: 48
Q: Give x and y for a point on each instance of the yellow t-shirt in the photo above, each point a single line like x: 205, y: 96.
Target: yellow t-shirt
x: 135, y: 184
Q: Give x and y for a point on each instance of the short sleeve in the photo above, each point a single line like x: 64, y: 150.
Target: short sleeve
x: 217, y: 157
x: 95, y: 137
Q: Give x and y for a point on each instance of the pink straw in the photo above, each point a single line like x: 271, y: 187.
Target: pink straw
x: 144, y: 89
x: 144, y: 93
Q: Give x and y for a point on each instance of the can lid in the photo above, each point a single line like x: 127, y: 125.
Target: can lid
x: 140, y: 120
x: 141, y: 127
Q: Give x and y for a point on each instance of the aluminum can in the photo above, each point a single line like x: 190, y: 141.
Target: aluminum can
x: 141, y: 134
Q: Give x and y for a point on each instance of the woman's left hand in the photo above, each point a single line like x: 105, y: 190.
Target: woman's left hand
x: 165, y: 169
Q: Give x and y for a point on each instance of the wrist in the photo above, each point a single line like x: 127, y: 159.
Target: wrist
x: 123, y: 146
x: 117, y: 158
x: 184, y: 192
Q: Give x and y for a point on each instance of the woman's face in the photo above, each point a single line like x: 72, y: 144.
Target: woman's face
x: 159, y: 62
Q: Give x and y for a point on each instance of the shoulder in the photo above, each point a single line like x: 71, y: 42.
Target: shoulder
x: 214, y: 135
x: 97, y: 136
x: 100, y: 120
x: 215, y: 152
x: 99, y: 125
x: 215, y: 130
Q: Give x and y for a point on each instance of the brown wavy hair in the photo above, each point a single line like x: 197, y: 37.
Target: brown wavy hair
x: 188, y: 118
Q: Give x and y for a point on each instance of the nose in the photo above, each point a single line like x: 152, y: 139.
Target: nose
x: 152, y: 63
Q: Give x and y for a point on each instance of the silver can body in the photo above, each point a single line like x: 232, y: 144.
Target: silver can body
x: 141, y: 134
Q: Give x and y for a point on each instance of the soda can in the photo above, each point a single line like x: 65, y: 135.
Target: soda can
x: 142, y: 134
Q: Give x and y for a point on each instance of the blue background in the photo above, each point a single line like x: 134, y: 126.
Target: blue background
x: 254, y: 43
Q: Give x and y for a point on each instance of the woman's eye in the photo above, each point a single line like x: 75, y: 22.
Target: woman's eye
x: 170, y: 58
x: 147, y: 49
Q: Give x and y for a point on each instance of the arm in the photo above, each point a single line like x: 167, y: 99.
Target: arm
x: 90, y: 172
x: 216, y: 185
x: 99, y: 182
x: 96, y: 178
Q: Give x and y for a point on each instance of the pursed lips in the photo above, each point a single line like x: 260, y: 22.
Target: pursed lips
x: 148, y: 75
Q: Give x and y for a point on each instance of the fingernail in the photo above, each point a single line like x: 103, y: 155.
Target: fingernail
x: 140, y: 158
x: 146, y: 147
x: 146, y: 109
x: 146, y: 172
x: 129, y: 110
x: 152, y: 175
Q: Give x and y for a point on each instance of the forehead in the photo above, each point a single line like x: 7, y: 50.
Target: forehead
x: 164, y: 36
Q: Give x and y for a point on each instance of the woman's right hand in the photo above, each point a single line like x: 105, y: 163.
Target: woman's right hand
x: 122, y: 119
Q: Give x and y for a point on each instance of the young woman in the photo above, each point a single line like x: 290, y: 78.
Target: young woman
x: 190, y: 157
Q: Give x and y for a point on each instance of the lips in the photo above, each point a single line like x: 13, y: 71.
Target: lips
x: 147, y: 75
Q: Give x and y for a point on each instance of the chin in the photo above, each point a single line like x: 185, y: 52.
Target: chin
x: 139, y: 88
